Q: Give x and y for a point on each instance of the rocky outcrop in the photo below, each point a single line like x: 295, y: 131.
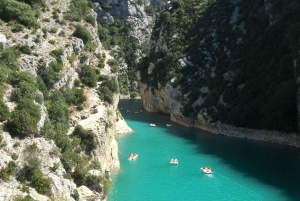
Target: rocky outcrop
x: 96, y: 116
x: 2, y: 39
x: 45, y: 153
x: 214, y: 76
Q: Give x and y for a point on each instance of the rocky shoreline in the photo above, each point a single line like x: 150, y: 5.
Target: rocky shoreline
x: 218, y: 128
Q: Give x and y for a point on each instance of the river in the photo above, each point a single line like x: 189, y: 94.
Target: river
x: 242, y: 169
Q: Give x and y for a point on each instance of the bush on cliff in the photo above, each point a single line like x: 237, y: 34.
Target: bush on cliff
x: 88, y: 75
x: 21, y: 12
x: 83, y: 33
x: 87, y: 139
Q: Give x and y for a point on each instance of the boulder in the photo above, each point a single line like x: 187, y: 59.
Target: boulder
x: 2, y: 39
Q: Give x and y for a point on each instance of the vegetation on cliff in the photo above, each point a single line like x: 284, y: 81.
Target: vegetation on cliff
x: 31, y: 91
x: 240, y: 57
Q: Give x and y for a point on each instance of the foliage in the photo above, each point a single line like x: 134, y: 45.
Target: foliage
x: 93, y: 182
x: 7, y: 171
x: 8, y: 57
x: 83, y: 33
x: 114, y: 65
x: 78, y: 10
x: 246, y: 64
x: 91, y: 20
x: 26, y: 198
x: 4, y: 111
x: 74, y: 96
x: 118, y: 33
x: 25, y: 49
x: 36, y: 178
x: 87, y: 138
x: 49, y: 74
x: 88, y: 75
x: 22, y: 124
x: 107, y: 88
x: 57, y: 54
x: 58, y: 112
x: 19, y: 11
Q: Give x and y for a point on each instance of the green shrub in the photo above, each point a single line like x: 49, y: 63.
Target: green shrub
x: 70, y: 160
x: 78, y: 10
x: 9, y: 57
x: 25, y: 49
x: 74, y: 96
x: 24, y: 188
x: 40, y: 183
x: 90, y: 19
x: 31, y: 148
x: 112, y: 85
x: 57, y: 54
x: 14, y: 156
x: 46, y: 20
x: 22, y: 124
x: 82, y: 33
x: 75, y: 195
x: 106, y: 94
x: 7, y: 171
x: 53, y: 30
x: 35, y: 2
x: 55, y: 166
x: 88, y: 75
x: 94, y: 182
x: 79, y: 175
x: 4, y: 111
x: 16, y: 78
x: 58, y: 112
x: 76, y: 83
x: 114, y: 64
x: 26, y: 198
x: 87, y: 138
x: 30, y: 107
x: 18, y: 27
x: 49, y: 75
x: 19, y: 11
x: 16, y: 144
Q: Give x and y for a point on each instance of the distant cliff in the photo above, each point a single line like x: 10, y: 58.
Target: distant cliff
x: 229, y: 67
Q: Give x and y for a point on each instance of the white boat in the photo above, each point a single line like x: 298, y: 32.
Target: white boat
x: 153, y: 125
x: 206, y: 170
x: 174, y: 161
x: 168, y: 125
x: 132, y: 156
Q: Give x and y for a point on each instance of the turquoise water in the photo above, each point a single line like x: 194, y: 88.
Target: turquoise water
x: 242, y: 169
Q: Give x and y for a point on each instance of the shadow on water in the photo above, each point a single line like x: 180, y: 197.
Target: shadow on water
x: 270, y: 163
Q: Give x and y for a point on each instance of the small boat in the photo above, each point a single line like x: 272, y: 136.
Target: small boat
x: 132, y: 156
x: 168, y: 125
x: 153, y: 125
x: 206, y: 170
x: 173, y: 161
x: 136, y: 112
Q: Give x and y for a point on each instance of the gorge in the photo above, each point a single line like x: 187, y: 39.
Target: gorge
x: 229, y: 67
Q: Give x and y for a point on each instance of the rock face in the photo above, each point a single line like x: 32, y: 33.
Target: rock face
x: 2, y: 39
x: 205, y: 76
x: 97, y: 116
x: 109, y: 10
x: 45, y: 148
x: 165, y: 100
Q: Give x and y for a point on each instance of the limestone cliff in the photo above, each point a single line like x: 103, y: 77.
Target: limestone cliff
x: 95, y: 115
x: 210, y: 70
